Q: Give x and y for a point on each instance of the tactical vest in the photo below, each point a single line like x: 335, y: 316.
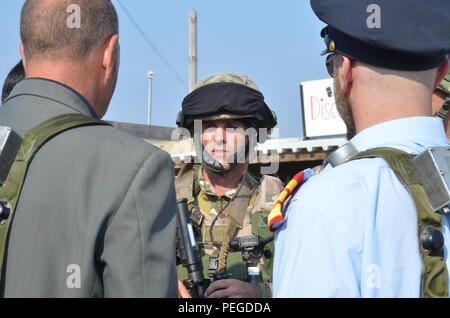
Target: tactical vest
x: 434, y: 270
x: 226, y: 228
x: 33, y: 140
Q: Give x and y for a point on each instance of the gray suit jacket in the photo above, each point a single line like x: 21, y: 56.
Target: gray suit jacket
x: 96, y: 214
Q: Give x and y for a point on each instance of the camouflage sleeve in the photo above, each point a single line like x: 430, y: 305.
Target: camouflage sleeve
x: 268, y: 193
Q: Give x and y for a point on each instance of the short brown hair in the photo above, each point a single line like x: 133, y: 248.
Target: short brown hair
x: 45, y: 32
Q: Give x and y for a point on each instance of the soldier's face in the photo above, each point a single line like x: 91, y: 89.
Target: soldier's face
x: 222, y: 139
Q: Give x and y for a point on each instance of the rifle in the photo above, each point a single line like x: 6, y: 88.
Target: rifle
x: 251, y: 248
x: 187, y: 252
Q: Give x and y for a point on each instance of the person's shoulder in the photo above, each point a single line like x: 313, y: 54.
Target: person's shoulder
x: 116, y: 144
x: 270, y: 182
x: 269, y: 189
x: 339, y: 198
x: 115, y: 137
x: 349, y: 182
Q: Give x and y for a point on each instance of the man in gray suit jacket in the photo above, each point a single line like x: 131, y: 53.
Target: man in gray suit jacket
x: 96, y: 215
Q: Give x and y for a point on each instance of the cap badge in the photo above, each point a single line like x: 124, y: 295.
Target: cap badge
x: 332, y: 46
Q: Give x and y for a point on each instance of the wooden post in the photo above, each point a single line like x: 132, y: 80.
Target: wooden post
x: 192, y: 49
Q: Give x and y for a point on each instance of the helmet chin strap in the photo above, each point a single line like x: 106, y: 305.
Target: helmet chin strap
x: 209, y: 163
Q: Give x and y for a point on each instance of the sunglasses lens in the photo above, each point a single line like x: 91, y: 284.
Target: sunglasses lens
x: 330, y: 65
x: 330, y: 69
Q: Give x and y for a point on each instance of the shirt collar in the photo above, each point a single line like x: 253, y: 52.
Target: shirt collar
x: 85, y: 101
x: 412, y: 134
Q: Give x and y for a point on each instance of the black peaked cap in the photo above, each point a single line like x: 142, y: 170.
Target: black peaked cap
x: 396, y: 34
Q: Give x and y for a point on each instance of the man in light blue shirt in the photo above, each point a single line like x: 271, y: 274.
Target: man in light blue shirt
x: 351, y: 231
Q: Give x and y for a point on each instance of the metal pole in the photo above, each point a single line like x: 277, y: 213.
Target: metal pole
x: 150, y: 75
x: 192, y: 49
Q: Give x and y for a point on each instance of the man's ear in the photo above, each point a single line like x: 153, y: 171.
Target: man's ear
x: 442, y: 72
x: 109, y: 54
x: 22, y: 53
x: 346, y: 73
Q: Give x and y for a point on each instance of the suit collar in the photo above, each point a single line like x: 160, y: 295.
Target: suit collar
x: 55, y: 91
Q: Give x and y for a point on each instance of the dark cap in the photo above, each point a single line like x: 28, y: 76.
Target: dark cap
x: 396, y: 34
x: 226, y: 96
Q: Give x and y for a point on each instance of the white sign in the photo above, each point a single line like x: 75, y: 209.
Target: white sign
x: 320, y: 116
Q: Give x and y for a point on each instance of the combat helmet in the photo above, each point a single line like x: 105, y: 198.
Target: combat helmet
x: 444, y: 86
x: 225, y: 96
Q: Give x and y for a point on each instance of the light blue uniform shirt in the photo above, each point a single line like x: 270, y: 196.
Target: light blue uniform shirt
x: 351, y: 231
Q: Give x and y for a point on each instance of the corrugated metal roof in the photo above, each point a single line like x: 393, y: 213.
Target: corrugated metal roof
x: 289, y: 149
x: 300, y: 145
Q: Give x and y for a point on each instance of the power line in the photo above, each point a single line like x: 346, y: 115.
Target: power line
x: 154, y: 48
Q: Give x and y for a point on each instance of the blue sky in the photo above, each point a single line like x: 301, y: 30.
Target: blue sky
x: 276, y: 43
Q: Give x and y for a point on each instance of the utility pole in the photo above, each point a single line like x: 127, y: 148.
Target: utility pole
x: 192, y: 49
x: 150, y: 76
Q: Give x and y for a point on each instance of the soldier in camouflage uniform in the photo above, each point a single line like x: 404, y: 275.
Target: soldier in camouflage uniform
x: 224, y: 101
x: 441, y: 102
